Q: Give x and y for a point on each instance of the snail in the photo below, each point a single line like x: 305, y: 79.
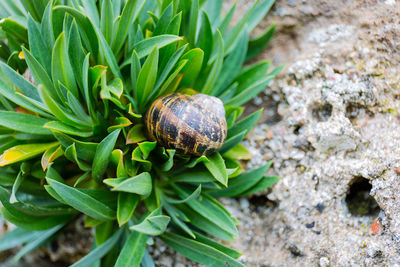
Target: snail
x: 192, y: 125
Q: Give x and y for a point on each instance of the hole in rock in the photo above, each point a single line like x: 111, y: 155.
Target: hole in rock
x: 261, y: 201
x: 352, y: 111
x: 322, y: 112
x: 359, y: 201
x: 298, y: 130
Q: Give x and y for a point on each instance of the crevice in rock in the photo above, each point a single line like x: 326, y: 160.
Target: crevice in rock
x: 358, y: 199
x: 298, y: 129
x: 352, y: 111
x: 261, y: 201
x: 322, y: 112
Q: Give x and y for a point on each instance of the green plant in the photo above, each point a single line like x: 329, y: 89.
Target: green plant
x: 72, y: 140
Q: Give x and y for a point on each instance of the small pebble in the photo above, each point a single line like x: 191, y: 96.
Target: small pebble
x: 310, y: 225
x: 375, y: 227
x: 319, y: 207
x: 324, y: 262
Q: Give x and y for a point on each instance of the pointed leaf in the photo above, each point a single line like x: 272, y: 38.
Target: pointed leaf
x: 245, y: 124
x: 257, y: 45
x: 100, y: 251
x: 64, y: 128
x: 23, y: 152
x: 127, y: 203
x: 265, y: 182
x: 193, y: 66
x: 153, y: 224
x: 243, y: 182
x: 143, y: 48
x: 131, y: 9
x: 199, y: 252
x: 133, y: 250
x: 103, y: 152
x: 140, y: 184
x: 217, y: 66
x: 82, y: 201
x: 23, y: 122
x: 35, y: 243
x: 147, y: 78
x: 17, y: 237
x: 216, y: 166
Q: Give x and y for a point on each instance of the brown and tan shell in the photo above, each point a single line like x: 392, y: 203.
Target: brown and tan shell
x: 193, y: 125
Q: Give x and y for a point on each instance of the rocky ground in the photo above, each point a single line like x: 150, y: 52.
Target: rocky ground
x: 332, y: 127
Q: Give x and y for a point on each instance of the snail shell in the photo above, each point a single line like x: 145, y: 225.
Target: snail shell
x: 193, y: 125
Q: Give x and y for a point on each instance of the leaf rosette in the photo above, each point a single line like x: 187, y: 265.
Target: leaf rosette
x: 72, y: 138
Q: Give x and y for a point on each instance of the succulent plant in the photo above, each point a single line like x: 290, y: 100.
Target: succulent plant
x: 72, y: 138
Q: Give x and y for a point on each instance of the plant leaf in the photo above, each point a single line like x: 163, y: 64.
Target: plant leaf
x: 143, y: 48
x: 265, y: 182
x: 153, y: 224
x: 103, y: 152
x: 127, y: 203
x: 245, y: 124
x: 84, y: 150
x: 19, y: 81
x: 232, y: 37
x: 216, y: 166
x: 250, y: 92
x: 39, y: 73
x: 205, y: 40
x: 147, y: 78
x: 37, y: 242
x: 259, y: 13
x: 133, y: 250
x: 232, y: 142
x: 140, y: 184
x: 50, y: 155
x: 210, y: 242
x: 257, y: 45
x: 24, y: 123
x: 82, y: 201
x: 194, y: 195
x: 76, y: 54
x: 231, y: 64
x: 238, y: 152
x: 243, y: 182
x: 193, y: 66
x: 100, y: 251
x: 199, y: 252
x: 108, y: 54
x: 64, y: 128
x: 89, y: 31
x: 193, y: 20
x: 36, y: 44
x: 210, y: 209
x: 217, y: 66
x: 131, y: 9
x: 136, y: 134
x: 17, y: 237
x: 169, y: 66
x: 23, y: 152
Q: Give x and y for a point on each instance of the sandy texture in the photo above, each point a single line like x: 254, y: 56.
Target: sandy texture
x: 332, y: 128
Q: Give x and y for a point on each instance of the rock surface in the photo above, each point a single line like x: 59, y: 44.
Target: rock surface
x: 332, y: 128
